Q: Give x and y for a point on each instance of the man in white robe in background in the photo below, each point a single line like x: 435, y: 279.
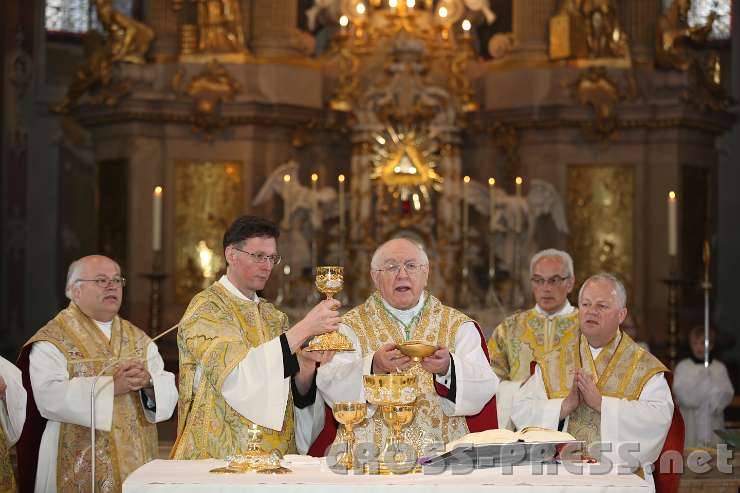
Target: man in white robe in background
x: 456, y: 381
x: 12, y: 416
x: 612, y: 391
x: 134, y: 394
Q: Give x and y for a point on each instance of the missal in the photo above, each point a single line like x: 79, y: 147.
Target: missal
x: 500, y: 436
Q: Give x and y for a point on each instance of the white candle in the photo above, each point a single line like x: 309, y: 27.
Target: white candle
x: 491, y: 205
x: 466, y: 217
x: 672, y: 223
x: 519, y: 180
x: 341, y: 203
x: 314, y: 199
x: 286, y: 205
x: 157, y: 219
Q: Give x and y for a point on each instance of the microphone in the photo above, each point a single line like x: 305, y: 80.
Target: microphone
x: 92, y: 405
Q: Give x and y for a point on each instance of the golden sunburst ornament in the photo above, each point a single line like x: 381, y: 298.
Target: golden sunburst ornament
x: 404, y: 161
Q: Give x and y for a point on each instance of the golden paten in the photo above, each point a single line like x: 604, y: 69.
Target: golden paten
x: 331, y: 341
x: 416, y: 350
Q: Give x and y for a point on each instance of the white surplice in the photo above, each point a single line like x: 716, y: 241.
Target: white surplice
x: 13, y: 406
x: 703, y: 394
x: 644, y: 421
x: 507, y: 389
x: 258, y: 390
x: 341, y: 379
x: 61, y: 399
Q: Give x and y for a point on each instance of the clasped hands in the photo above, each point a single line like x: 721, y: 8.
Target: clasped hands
x: 389, y: 359
x: 583, y: 388
x: 131, y: 376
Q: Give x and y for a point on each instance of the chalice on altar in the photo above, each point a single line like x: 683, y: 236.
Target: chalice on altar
x: 349, y: 414
x: 395, y: 394
x: 329, y: 281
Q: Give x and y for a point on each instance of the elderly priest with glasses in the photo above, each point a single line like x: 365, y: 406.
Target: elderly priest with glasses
x: 455, y: 382
x: 527, y: 335
x: 64, y: 358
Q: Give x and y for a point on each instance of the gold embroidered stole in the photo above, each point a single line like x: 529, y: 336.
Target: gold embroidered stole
x: 527, y: 336
x: 132, y: 440
x: 437, y: 325
x: 621, y: 370
x: 216, y: 333
x: 7, y: 479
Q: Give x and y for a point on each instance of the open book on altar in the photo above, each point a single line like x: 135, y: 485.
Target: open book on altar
x: 502, y: 436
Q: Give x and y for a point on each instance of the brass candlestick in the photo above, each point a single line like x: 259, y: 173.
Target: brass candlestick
x: 155, y: 277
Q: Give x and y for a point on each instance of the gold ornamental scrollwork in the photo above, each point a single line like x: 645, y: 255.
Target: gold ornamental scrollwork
x: 601, y: 209
x: 674, y: 36
x: 594, y: 88
x: 208, y: 89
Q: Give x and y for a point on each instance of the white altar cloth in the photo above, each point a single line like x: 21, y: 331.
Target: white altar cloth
x: 192, y: 476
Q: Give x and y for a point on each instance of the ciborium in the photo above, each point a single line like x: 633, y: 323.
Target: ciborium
x: 395, y: 394
x: 349, y: 414
x: 329, y: 281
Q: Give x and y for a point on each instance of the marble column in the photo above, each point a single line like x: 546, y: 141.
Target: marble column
x: 638, y: 18
x: 160, y: 16
x: 530, y: 20
x: 275, y: 28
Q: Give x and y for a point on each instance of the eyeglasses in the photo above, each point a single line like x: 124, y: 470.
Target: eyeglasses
x: 411, y: 268
x: 104, y: 282
x: 550, y: 281
x: 261, y: 258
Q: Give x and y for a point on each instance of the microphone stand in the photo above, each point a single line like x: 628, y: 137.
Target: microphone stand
x: 92, y: 407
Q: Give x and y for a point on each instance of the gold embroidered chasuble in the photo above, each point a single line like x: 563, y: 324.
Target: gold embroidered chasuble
x: 621, y: 370
x: 437, y: 325
x: 7, y: 479
x: 216, y: 333
x: 132, y: 440
x: 526, y: 336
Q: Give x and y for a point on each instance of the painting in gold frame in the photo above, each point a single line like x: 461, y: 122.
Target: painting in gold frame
x: 601, y: 211
x: 208, y: 197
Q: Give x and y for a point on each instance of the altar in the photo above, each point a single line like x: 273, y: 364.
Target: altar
x: 193, y: 477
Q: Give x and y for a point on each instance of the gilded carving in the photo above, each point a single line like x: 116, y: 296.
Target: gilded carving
x: 129, y: 39
x: 596, y: 89
x: 601, y: 207
x: 674, y: 36
x: 208, y: 196
x: 220, y: 27
x: 208, y: 89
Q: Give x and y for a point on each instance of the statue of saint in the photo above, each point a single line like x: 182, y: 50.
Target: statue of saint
x: 220, y: 27
x: 129, y: 38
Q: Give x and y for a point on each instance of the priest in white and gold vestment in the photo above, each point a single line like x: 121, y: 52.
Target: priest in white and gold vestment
x: 12, y: 416
x: 456, y: 381
x: 601, y: 387
x: 527, y: 335
x: 64, y: 357
x: 240, y: 363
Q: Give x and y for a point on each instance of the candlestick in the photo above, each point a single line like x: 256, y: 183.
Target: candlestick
x: 340, y: 178
x: 672, y: 223
x: 157, y: 219
x: 466, y: 216
x: 491, y: 205
x: 518, y: 181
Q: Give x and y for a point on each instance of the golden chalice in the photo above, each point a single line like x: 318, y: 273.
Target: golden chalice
x: 417, y: 350
x: 395, y: 393
x: 349, y: 414
x: 396, y: 417
x: 329, y: 281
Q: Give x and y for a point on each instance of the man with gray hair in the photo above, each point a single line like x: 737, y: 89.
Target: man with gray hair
x: 527, y: 335
x: 456, y: 381
x: 601, y: 387
x: 63, y: 358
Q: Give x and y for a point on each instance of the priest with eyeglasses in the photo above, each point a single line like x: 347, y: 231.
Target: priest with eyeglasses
x: 456, y: 382
x: 526, y: 336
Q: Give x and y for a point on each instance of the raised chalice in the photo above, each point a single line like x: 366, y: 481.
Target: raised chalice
x: 329, y: 281
x: 349, y: 414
